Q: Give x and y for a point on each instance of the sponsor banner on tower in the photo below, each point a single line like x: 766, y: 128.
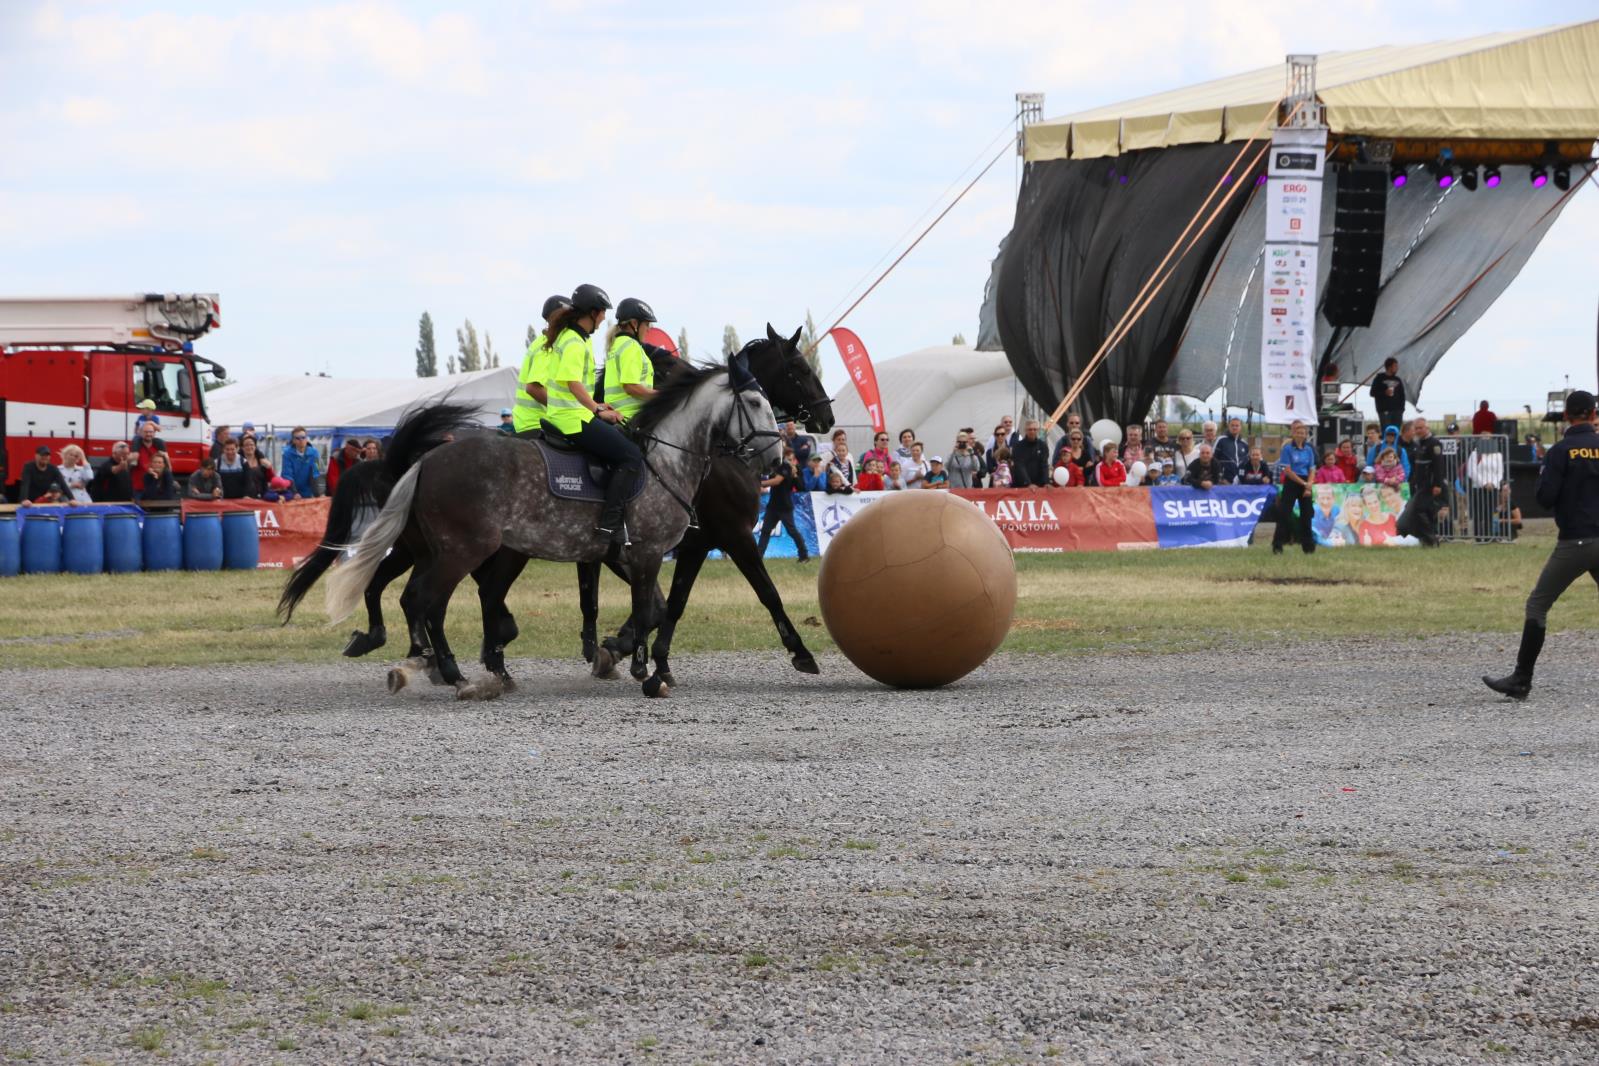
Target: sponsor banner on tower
x: 288, y: 530
x: 1222, y: 517
x: 1288, y: 274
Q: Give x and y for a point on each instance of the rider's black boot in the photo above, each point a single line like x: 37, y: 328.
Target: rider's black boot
x: 612, y: 524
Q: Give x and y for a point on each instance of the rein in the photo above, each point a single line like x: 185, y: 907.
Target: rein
x: 739, y: 449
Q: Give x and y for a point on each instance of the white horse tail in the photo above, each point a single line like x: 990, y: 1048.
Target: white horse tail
x: 347, y: 586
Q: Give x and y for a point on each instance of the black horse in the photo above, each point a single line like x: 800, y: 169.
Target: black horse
x: 727, y: 506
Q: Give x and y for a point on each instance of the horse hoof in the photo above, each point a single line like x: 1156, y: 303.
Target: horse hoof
x: 398, y: 679
x: 639, y: 670
x: 487, y: 689
x: 588, y: 649
x: 667, y: 678
x: 605, y: 664
x: 506, y: 684
x: 656, y: 688
x: 360, y: 643
x: 805, y: 664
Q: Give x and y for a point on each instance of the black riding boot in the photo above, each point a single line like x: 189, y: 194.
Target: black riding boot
x: 612, y: 524
x: 1519, y: 684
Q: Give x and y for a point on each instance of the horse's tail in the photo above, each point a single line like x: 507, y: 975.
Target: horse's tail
x: 420, y: 430
x: 348, y: 584
x: 363, y: 485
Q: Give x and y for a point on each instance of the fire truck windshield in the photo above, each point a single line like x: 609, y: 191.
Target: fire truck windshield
x: 167, y: 383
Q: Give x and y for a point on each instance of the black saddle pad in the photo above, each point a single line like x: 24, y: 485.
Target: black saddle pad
x: 578, y: 475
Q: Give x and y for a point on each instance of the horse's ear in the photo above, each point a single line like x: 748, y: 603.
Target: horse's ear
x: 771, y: 334
x: 794, y: 340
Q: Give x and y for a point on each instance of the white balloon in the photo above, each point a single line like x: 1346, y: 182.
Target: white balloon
x: 1105, y: 427
x: 1136, y: 472
x: 1062, y: 476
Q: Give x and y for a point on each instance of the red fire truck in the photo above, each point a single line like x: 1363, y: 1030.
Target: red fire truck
x: 81, y: 370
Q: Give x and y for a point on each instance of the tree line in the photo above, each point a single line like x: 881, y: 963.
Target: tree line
x: 469, y: 355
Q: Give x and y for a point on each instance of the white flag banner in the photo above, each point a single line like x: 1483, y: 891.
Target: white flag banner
x: 1288, y: 299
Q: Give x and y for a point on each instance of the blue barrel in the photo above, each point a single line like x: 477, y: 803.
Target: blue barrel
x: 163, y: 541
x: 202, y: 542
x: 124, y: 554
x: 10, y: 547
x: 83, y: 544
x: 41, y: 544
x: 241, y: 544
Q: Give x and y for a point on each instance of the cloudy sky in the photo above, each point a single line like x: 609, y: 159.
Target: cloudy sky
x: 334, y: 169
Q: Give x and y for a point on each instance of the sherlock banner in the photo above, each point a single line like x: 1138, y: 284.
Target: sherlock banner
x: 288, y: 530
x: 1061, y: 520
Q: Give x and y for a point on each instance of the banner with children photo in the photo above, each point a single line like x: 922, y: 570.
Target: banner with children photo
x: 1364, y: 515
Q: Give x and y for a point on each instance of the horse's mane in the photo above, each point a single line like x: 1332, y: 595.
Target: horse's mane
x: 673, y: 395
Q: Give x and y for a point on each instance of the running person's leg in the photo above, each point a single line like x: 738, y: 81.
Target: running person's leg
x: 1569, y: 561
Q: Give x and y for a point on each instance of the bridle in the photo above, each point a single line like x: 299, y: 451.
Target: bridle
x: 803, y: 411
x: 740, y: 448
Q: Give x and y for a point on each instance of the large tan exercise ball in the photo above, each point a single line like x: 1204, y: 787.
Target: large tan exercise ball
x: 918, y: 588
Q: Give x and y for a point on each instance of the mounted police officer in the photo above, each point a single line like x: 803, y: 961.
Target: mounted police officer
x: 531, y: 382
x: 572, y: 411
x: 629, y: 371
x: 1568, y: 485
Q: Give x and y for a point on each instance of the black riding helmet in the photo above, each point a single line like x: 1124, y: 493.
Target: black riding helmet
x: 587, y: 298
x: 554, y: 304
x: 633, y: 309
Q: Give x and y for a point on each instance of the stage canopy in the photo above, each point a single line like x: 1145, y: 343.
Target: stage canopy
x: 1106, y: 193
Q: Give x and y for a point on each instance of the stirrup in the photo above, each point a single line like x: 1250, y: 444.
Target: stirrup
x: 618, y: 537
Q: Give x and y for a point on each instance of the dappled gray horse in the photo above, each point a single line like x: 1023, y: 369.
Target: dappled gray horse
x: 460, y: 505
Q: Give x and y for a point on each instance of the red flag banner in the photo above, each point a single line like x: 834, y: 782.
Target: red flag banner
x: 859, y: 367
x: 661, y: 339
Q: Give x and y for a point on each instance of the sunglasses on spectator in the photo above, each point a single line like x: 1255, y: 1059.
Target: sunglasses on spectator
x: 300, y: 436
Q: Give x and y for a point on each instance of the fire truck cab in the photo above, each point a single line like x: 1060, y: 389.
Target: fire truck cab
x: 81, y: 370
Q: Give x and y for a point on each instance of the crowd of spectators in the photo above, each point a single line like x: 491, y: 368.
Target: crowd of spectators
x: 234, y: 468
x: 1012, y: 459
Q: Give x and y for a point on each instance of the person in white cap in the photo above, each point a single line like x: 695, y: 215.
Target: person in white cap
x: 936, y: 477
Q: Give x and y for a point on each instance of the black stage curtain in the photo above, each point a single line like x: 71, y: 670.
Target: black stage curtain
x: 1088, y: 233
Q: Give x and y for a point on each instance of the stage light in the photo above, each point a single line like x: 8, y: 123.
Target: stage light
x: 1397, y: 175
x: 1260, y: 180
x: 1446, y: 178
x: 1539, y: 177
x: 1562, y: 177
x: 1490, y: 177
x: 1468, y: 178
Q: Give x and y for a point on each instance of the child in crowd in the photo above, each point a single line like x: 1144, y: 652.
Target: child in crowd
x: 836, y: 485
x: 1002, y: 468
x: 894, y: 480
x: 1166, y: 475
x: 1389, y: 471
x: 871, y: 479
x: 1368, y: 475
x: 815, y: 474
x: 1347, y: 461
x: 1112, y: 472
x: 1329, y: 472
x: 1255, y: 472
x: 936, y: 477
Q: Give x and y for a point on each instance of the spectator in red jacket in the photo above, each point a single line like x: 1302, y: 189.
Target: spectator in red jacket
x: 144, y: 449
x: 347, y: 457
x: 1484, y: 421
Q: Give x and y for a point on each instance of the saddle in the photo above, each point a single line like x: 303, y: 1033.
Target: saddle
x: 573, y: 473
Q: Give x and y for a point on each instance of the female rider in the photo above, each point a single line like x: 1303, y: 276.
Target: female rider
x: 573, y: 411
x: 629, y: 374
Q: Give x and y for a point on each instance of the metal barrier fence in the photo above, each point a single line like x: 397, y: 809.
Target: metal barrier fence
x: 1477, y: 489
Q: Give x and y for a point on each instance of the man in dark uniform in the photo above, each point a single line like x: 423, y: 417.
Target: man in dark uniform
x: 1569, y: 486
x: 1388, y: 393
x: 1420, y: 519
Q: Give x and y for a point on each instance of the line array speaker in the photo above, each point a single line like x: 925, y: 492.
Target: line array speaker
x: 1360, y: 212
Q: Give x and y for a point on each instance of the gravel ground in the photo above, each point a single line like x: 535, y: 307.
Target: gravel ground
x: 1160, y: 859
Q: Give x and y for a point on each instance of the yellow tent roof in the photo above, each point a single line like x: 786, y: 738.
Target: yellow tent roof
x: 1523, y: 85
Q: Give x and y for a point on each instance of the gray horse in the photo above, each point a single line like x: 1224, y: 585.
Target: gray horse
x: 460, y: 505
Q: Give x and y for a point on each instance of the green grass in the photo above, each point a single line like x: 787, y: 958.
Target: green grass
x: 1067, y: 604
